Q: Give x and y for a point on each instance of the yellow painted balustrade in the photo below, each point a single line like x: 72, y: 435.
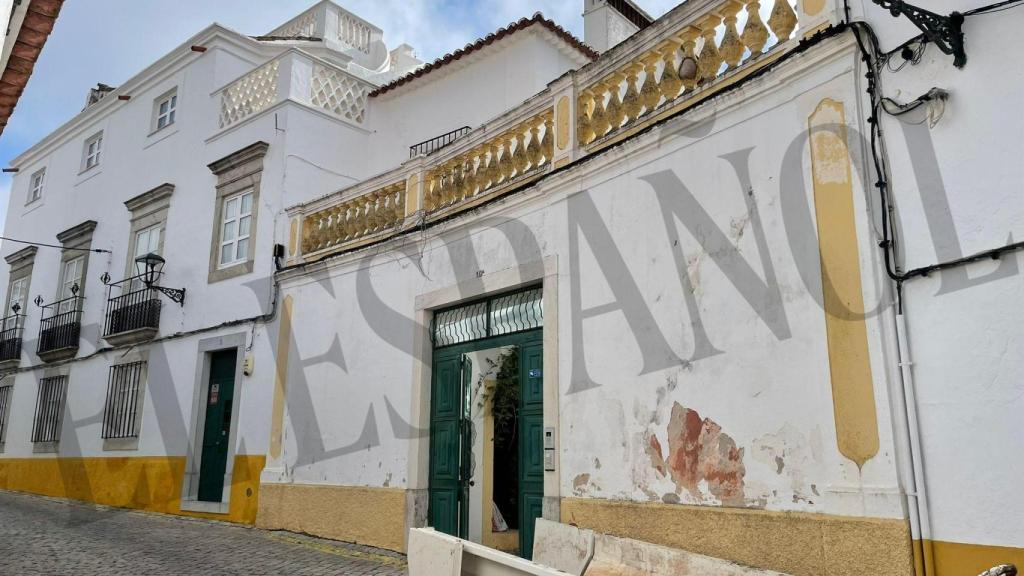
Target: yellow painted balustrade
x: 354, y: 219
x: 491, y: 164
x: 709, y: 46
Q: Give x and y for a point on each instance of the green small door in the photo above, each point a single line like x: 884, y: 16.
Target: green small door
x: 531, y: 443
x: 445, y: 445
x: 217, y: 425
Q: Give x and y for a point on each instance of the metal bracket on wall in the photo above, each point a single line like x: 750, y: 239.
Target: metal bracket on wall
x: 945, y: 31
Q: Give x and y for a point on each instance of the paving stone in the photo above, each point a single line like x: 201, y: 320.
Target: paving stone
x: 47, y: 536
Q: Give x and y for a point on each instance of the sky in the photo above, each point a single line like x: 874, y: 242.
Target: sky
x: 110, y: 41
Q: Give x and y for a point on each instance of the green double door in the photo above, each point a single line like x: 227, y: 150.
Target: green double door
x: 451, y: 435
x: 217, y: 425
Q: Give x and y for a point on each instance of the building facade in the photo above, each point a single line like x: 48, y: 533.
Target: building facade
x: 728, y: 280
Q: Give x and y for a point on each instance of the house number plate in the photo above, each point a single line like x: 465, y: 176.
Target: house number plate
x: 535, y: 372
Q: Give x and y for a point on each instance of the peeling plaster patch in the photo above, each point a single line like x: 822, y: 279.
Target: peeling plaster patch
x: 737, y: 227
x: 653, y: 447
x: 789, y: 454
x: 580, y: 483
x: 701, y: 458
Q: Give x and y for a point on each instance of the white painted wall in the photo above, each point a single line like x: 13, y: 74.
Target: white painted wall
x: 964, y: 325
x: 767, y: 393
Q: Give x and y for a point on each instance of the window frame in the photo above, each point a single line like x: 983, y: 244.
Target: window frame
x: 54, y: 413
x: 23, y: 299
x: 126, y: 410
x: 6, y: 397
x: 236, y: 220
x: 171, y: 98
x: 238, y: 172
x: 87, y: 157
x: 92, y: 159
x: 36, y: 184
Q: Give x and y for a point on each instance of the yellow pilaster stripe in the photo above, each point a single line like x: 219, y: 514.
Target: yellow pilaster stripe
x: 852, y: 388
x: 284, y: 340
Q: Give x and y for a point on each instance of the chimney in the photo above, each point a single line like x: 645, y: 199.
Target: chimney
x: 608, y: 22
x: 96, y: 94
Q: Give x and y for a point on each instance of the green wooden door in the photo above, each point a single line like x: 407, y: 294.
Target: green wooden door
x: 531, y: 440
x: 446, y: 429
x: 217, y: 425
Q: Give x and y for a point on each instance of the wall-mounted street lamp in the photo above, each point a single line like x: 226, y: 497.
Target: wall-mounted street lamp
x: 149, y: 268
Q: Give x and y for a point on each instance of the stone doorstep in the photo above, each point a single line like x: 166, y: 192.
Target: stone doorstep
x: 585, y: 553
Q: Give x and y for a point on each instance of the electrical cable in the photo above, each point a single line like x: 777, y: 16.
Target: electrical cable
x: 890, y: 238
x: 45, y: 245
x: 997, y: 7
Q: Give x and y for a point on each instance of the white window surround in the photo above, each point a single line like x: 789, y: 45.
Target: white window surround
x: 235, y: 229
x: 165, y: 111
x: 91, y: 151
x: 35, y: 186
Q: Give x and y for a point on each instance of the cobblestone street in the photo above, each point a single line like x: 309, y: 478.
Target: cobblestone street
x: 56, y: 537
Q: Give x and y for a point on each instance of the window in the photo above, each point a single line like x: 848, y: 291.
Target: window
x: 70, y: 283
x: 93, y: 148
x: 147, y: 241
x: 120, y: 417
x: 18, y: 293
x: 166, y: 109
x: 5, y: 402
x: 35, y: 189
x: 234, y: 235
x: 49, y: 409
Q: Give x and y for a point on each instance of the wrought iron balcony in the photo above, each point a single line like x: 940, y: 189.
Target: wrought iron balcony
x: 133, y: 312
x: 60, y: 328
x: 11, y: 329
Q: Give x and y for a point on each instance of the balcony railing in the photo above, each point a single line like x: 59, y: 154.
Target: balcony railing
x: 680, y: 64
x: 437, y: 142
x: 133, y: 311
x: 60, y: 328
x: 685, y: 58
x: 298, y: 77
x: 11, y: 329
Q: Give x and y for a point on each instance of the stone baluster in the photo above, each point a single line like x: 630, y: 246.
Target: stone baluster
x: 670, y: 83
x: 599, y: 119
x: 783, y: 20
x: 522, y: 161
x: 632, y: 105
x: 505, y: 165
x: 709, y: 60
x: 584, y: 126
x: 534, y: 150
x: 689, y: 74
x: 731, y: 48
x: 615, y: 111
x: 755, y: 34
x: 493, y: 167
x: 547, y: 144
x: 650, y: 95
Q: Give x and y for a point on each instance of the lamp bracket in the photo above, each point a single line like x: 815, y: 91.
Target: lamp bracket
x: 945, y: 31
x: 176, y: 295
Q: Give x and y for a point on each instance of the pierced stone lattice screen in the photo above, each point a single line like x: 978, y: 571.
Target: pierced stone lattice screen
x: 249, y: 94
x: 338, y: 92
x: 303, y: 26
x: 354, y: 33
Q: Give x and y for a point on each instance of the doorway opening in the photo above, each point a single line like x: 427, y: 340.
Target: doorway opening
x: 486, y: 431
x: 217, y: 425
